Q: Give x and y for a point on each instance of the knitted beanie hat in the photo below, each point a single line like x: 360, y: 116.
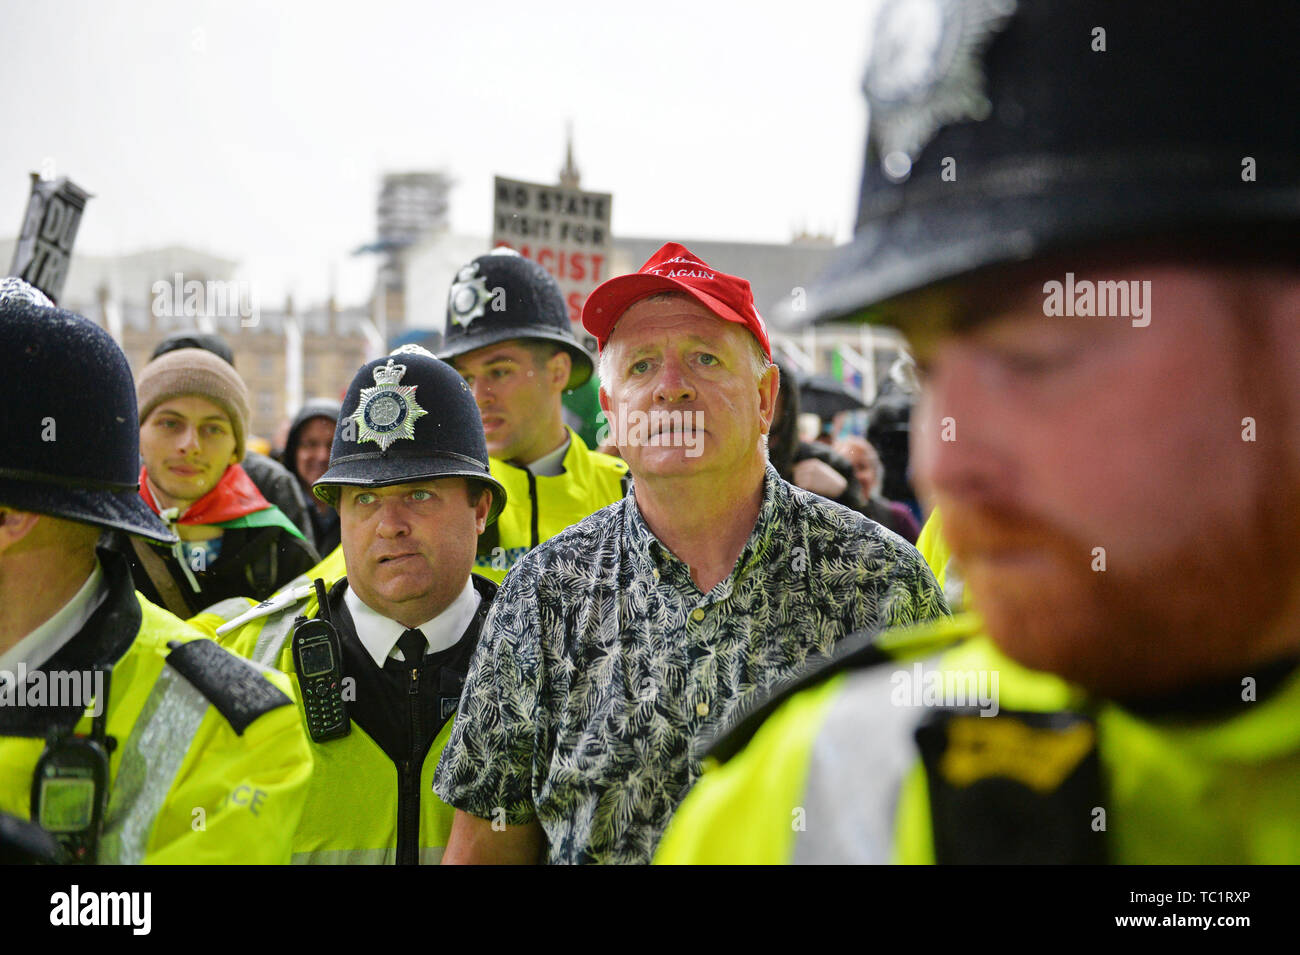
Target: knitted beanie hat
x: 193, y: 371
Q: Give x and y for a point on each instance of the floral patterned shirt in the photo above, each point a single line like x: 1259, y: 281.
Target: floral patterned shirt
x: 601, y: 666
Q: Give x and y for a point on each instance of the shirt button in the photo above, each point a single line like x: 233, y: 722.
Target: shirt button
x: 701, y: 709
x: 697, y: 614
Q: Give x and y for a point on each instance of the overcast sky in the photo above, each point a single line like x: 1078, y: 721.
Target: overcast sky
x: 259, y: 132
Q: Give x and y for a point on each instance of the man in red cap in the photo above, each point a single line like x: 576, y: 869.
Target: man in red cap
x: 618, y: 645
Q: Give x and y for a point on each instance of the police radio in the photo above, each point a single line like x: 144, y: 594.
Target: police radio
x: 318, y: 661
x: 70, y: 786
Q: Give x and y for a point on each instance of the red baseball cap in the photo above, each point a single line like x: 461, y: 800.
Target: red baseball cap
x: 674, y: 268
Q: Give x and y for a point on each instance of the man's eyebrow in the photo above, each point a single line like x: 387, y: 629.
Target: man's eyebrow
x: 685, y: 339
x: 222, y: 419
x: 715, y: 345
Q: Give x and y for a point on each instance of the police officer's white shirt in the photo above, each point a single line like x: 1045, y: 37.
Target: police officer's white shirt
x: 378, y: 634
x: 46, y: 640
x: 551, y: 465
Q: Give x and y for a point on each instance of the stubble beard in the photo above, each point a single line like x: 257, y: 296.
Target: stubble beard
x: 1207, y: 608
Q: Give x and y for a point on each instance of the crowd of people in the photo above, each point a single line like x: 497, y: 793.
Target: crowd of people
x: 444, y: 629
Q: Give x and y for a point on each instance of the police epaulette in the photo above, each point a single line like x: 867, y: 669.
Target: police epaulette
x: 858, y: 651
x: 233, y: 685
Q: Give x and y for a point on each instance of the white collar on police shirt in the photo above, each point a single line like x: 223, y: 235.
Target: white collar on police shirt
x: 552, y: 464
x: 46, y: 640
x: 378, y: 634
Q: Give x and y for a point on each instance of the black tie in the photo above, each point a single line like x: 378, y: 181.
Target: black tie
x: 412, y: 644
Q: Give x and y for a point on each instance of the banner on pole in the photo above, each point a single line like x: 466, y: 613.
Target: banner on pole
x: 566, y: 231
x: 44, y: 246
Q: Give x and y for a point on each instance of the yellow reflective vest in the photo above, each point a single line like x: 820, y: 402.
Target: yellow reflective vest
x: 352, y: 806
x: 938, y: 556
x: 209, y: 767
x: 867, y: 765
x: 537, y: 507
x: 932, y: 546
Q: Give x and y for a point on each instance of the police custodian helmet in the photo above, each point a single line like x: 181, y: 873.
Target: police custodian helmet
x: 1002, y: 130
x: 408, y: 417
x: 71, y: 446
x: 502, y: 296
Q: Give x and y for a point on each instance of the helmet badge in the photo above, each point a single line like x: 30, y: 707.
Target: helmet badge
x: 469, y: 296
x: 387, y: 412
x: 924, y: 72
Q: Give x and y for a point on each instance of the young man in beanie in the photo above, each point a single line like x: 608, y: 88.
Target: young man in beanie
x: 1118, y: 467
x: 233, y: 542
x: 508, y: 334
x: 271, y: 477
x: 123, y: 733
x: 618, y: 645
x: 409, y: 476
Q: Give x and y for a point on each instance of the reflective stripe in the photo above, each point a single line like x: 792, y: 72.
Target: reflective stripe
x: 272, y: 638
x: 152, y: 757
x: 227, y: 609
x: 857, y: 830
x: 428, y: 856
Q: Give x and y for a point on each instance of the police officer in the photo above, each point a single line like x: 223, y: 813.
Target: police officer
x: 1094, y: 252
x: 380, y: 662
x: 508, y: 334
x: 123, y: 733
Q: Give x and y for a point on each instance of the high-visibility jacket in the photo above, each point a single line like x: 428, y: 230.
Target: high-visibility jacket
x: 932, y: 546
x: 362, y: 807
x: 537, y: 508
x: 863, y: 766
x: 210, y: 763
x: 938, y: 556
x: 331, y: 567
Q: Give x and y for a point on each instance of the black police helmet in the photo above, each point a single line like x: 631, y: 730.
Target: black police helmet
x: 72, y: 431
x: 503, y: 296
x: 408, y: 417
x: 1002, y: 131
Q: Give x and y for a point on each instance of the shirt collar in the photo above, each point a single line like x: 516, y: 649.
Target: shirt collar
x: 378, y: 634
x: 650, y: 553
x: 552, y: 465
x: 42, y: 643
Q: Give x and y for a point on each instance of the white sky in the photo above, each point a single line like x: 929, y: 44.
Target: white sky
x: 259, y: 132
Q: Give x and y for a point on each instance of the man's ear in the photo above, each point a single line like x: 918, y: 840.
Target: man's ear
x: 769, y: 386
x: 482, y: 509
x: 560, y: 366
x: 15, y: 525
